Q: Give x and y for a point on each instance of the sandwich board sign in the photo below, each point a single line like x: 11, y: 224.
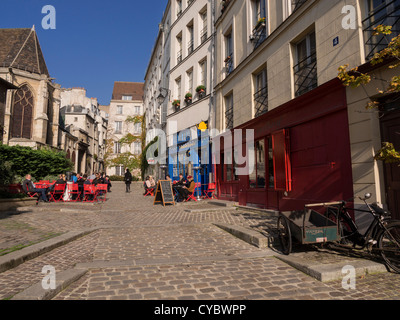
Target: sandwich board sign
x: 164, y: 193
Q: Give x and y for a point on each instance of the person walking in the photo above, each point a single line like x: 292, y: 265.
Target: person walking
x: 128, y: 180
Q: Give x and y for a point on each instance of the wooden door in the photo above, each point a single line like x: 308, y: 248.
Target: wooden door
x: 391, y: 133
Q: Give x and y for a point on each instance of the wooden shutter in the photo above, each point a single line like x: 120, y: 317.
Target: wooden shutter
x: 281, y: 154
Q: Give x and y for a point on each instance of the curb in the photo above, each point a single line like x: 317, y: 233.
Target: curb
x: 249, y: 236
x: 63, y: 280
x: 14, y: 259
x: 331, y: 272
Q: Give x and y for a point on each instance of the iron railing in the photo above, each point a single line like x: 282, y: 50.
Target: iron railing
x: 229, y: 117
x: 179, y: 56
x: 204, y: 35
x: 259, y: 35
x: 297, y: 4
x: 305, y: 75
x: 190, y: 46
x: 388, y: 15
x: 261, y: 101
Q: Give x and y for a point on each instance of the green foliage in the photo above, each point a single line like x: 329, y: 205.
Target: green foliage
x: 39, y: 163
x: 388, y: 154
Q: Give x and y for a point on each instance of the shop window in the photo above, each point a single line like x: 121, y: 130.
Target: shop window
x: 257, y: 177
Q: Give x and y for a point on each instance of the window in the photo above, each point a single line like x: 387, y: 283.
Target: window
x: 257, y: 177
x: 380, y: 12
x: 261, y: 93
x: 259, y: 23
x: 204, y: 30
x: 117, y: 147
x: 178, y: 85
x: 118, y: 127
x: 137, y: 148
x: 228, y: 53
x: 126, y: 98
x: 190, y: 29
x: 229, y: 111
x: 271, y: 175
x: 120, y: 109
x: 179, y: 8
x: 22, y: 113
x: 119, y: 171
x: 190, y: 80
x: 305, y: 71
x: 137, y: 110
x: 138, y: 128
x: 203, y: 72
x: 290, y: 6
x: 179, y: 48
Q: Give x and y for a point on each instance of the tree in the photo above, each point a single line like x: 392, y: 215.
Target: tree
x: 354, y: 78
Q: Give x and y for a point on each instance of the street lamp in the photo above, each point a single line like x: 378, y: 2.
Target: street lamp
x: 163, y: 95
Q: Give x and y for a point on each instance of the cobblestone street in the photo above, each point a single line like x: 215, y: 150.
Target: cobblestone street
x: 140, y: 251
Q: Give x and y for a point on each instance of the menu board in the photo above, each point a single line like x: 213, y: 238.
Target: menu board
x: 164, y: 193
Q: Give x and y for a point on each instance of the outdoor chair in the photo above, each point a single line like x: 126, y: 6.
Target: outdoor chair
x: 192, y: 195
x: 101, y: 192
x: 210, y: 190
x: 57, y: 194
x: 74, y: 194
x: 89, y: 193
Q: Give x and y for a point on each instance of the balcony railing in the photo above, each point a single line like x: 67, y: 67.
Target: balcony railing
x: 259, y: 34
x: 305, y: 75
x: 229, y: 118
x: 261, y: 101
x: 204, y: 35
x: 179, y: 56
x: 297, y: 4
x: 388, y: 15
x: 190, y: 46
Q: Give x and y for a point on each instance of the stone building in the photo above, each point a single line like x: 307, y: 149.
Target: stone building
x: 276, y: 73
x: 83, y: 130
x: 127, y: 101
x: 31, y: 110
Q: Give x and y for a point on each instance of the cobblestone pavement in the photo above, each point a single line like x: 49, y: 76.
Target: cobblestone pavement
x: 142, y: 251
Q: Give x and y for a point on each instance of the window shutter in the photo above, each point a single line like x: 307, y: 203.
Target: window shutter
x: 282, y: 166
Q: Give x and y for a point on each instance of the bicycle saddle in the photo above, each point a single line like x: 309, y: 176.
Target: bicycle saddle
x: 379, y: 210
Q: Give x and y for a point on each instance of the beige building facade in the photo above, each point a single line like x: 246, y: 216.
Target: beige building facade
x: 270, y: 54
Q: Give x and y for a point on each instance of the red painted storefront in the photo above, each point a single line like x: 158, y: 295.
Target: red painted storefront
x: 302, y: 154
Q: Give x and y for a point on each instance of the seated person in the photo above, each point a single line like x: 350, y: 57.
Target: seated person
x: 108, y: 183
x: 98, y: 180
x: 181, y: 181
x: 189, y: 188
x: 29, y: 187
x: 147, y: 185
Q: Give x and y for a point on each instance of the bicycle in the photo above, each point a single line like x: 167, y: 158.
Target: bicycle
x: 336, y: 229
x: 382, y: 235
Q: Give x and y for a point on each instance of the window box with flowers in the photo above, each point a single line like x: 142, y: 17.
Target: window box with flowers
x: 201, y: 91
x: 188, y: 98
x: 260, y: 24
x: 176, y: 104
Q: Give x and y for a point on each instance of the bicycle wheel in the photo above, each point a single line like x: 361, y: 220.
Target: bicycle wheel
x: 389, y: 245
x: 285, y: 236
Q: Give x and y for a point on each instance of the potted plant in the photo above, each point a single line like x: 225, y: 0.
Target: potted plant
x: 176, y: 104
x: 201, y: 91
x: 260, y: 22
x: 188, y: 98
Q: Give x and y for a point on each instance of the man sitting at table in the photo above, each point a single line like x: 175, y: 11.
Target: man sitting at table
x: 29, y: 187
x: 189, y: 188
x: 181, y: 181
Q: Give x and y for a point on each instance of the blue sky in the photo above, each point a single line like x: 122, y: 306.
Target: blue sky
x: 95, y: 42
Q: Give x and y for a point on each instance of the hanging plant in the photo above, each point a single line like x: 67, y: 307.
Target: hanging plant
x: 176, y: 103
x: 188, y: 96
